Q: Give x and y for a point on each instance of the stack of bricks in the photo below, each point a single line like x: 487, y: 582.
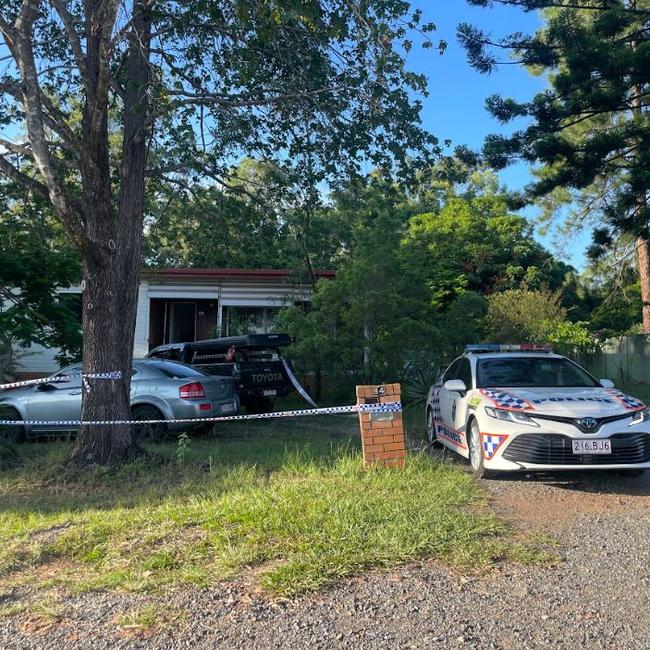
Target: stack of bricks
x: 382, y: 433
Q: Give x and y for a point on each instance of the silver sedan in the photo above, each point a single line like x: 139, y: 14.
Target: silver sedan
x: 160, y: 390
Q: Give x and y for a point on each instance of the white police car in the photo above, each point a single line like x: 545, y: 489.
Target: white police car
x: 524, y: 408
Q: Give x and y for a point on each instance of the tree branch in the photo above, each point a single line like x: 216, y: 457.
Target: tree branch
x: 560, y: 5
x: 69, y: 24
x: 20, y: 177
x: 32, y: 99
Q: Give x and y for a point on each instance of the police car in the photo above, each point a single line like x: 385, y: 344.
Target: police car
x: 524, y: 408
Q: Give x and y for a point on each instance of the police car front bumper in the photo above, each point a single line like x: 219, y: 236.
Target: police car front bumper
x: 543, y: 449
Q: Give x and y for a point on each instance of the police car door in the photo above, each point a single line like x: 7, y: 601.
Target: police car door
x: 447, y: 398
x: 453, y: 407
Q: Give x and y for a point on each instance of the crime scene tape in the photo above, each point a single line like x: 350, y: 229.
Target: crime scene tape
x: 390, y: 407
x: 63, y: 378
x: 296, y: 384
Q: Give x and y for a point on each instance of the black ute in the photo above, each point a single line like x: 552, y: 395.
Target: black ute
x: 254, y: 361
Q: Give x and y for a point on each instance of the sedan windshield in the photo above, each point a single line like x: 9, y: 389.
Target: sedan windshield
x: 532, y: 372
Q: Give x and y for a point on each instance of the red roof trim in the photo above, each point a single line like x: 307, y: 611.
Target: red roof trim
x: 232, y: 273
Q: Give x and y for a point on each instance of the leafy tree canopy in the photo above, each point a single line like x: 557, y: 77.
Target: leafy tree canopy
x: 476, y: 244
x: 374, y: 318
x: 35, y: 263
x: 116, y: 94
x: 590, y: 129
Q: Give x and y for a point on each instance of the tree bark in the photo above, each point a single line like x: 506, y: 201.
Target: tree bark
x: 643, y: 253
x: 643, y: 260
x: 112, y: 270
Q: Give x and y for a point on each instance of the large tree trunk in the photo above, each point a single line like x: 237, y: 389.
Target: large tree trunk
x: 643, y: 254
x: 112, y: 269
x: 643, y: 258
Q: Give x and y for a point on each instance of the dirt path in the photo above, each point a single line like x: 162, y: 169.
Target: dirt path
x: 597, y: 597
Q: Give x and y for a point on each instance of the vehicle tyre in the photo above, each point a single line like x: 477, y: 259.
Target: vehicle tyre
x: 10, y: 432
x: 430, y: 430
x: 476, y: 457
x: 148, y: 432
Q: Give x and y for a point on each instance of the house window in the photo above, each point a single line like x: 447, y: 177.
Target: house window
x: 250, y: 320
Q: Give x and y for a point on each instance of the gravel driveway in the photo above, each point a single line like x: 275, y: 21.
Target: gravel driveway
x: 598, y: 597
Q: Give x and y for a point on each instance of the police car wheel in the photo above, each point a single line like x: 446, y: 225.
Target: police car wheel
x: 476, y: 451
x: 430, y: 431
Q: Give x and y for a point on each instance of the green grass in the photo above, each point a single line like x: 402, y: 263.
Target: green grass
x: 287, y: 502
x: 638, y: 390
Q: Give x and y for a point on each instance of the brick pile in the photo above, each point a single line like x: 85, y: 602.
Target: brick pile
x: 382, y: 434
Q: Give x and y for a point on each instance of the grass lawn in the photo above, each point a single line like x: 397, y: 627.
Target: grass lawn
x: 286, y: 502
x: 638, y: 390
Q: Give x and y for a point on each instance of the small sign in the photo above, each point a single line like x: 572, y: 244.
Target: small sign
x: 379, y: 390
x: 381, y: 416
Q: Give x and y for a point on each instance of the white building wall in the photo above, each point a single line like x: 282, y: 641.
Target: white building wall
x: 37, y: 360
x: 141, y: 340
x: 235, y: 293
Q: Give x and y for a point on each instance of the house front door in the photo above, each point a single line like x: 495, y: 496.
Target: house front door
x: 182, y: 322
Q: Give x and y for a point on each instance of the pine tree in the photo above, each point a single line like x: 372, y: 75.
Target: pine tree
x: 591, y: 125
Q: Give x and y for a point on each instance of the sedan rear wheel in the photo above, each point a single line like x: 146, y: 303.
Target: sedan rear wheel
x: 13, y: 433
x: 476, y: 456
x: 148, y: 432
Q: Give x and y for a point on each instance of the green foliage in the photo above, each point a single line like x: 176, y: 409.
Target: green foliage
x: 573, y: 339
x: 523, y: 316
x: 182, y: 447
x: 36, y: 262
x: 589, y: 130
x: 375, y: 316
x: 417, y: 381
x: 464, y: 320
x: 475, y: 244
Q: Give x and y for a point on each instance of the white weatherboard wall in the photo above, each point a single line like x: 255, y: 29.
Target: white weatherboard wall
x: 227, y: 293
x: 39, y: 360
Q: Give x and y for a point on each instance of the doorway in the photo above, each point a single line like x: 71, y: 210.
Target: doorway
x: 182, y: 322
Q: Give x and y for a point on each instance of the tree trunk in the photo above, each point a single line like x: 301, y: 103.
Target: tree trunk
x: 112, y: 269
x: 643, y: 259
x: 643, y: 254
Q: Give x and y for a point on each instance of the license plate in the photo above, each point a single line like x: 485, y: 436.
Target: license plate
x: 592, y: 446
x: 229, y: 407
x: 269, y: 393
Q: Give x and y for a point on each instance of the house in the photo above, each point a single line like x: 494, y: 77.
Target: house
x: 194, y: 304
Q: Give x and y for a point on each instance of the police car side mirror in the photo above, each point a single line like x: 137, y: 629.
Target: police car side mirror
x: 606, y: 383
x: 455, y: 386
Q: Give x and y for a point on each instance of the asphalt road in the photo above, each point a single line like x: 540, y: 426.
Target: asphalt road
x: 598, y: 596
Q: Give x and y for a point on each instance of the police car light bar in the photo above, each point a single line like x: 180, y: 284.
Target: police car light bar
x: 508, y: 347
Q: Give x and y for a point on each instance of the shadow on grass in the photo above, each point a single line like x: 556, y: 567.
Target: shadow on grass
x: 39, y: 483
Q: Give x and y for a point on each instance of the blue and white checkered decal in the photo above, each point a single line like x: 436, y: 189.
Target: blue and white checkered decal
x: 491, y: 444
x: 506, y: 401
x: 626, y: 401
x: 435, y: 401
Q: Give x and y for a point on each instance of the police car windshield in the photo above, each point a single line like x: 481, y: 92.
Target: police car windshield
x: 531, y: 372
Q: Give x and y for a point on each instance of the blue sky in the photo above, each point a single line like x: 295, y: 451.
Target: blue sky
x: 455, y: 109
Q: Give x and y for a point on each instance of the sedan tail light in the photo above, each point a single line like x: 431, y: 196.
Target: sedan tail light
x: 194, y: 390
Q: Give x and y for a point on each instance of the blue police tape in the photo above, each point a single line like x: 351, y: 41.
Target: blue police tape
x: 390, y: 407
x: 85, y: 376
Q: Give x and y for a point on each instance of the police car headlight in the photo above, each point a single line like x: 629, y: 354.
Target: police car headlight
x: 510, y: 416
x: 640, y: 416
